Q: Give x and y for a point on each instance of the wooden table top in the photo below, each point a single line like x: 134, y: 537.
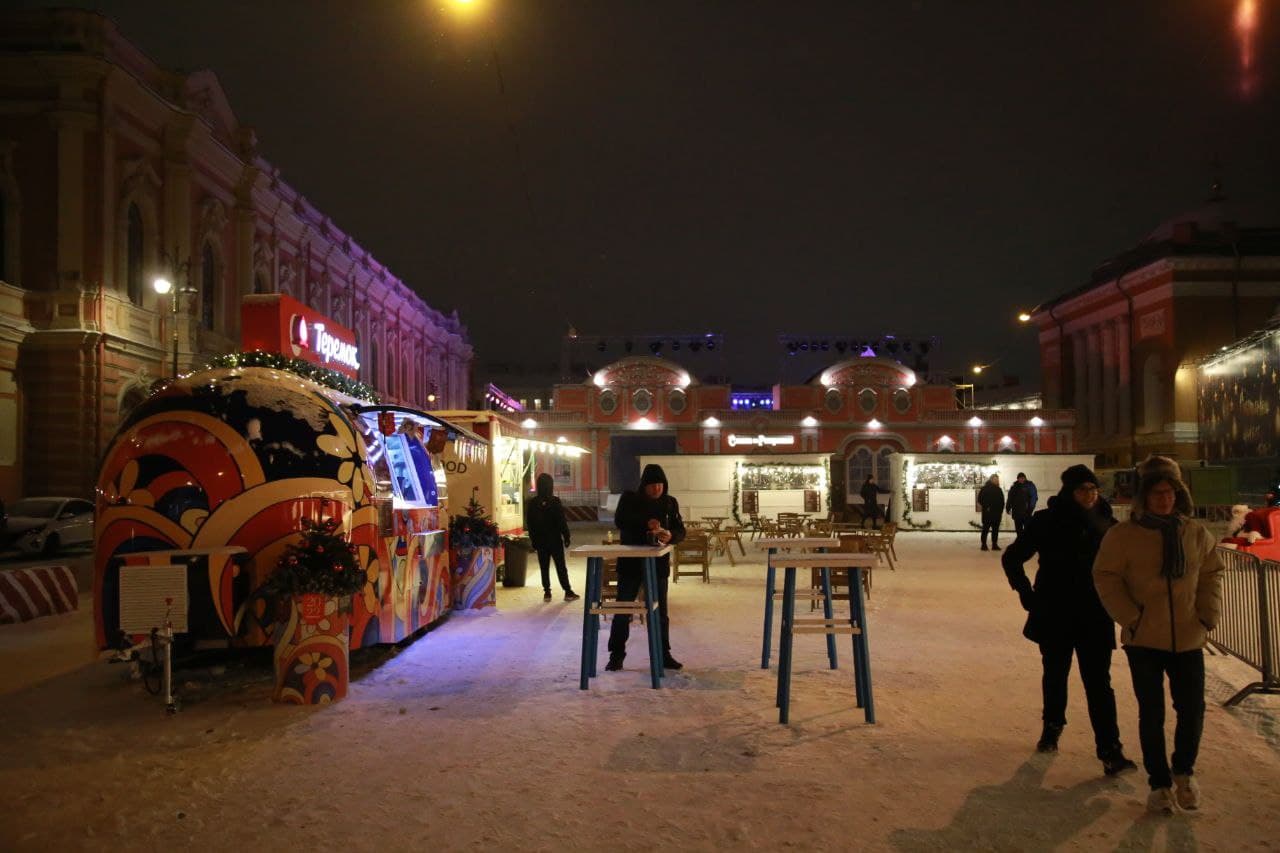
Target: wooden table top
x: 839, y: 560
x: 797, y: 542
x: 621, y: 550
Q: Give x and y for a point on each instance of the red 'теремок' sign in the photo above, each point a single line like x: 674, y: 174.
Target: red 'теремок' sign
x: 278, y: 323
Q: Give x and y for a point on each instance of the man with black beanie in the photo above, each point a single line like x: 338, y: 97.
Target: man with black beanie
x: 1064, y: 614
x: 647, y: 516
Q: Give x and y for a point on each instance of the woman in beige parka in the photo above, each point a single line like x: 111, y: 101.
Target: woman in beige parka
x: 1159, y: 576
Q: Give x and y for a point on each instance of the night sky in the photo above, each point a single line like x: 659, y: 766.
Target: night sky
x: 841, y: 168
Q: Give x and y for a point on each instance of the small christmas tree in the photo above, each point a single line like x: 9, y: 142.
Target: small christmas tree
x: 324, y: 562
x: 475, y: 529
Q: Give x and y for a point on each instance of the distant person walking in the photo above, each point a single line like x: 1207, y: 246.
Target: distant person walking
x: 870, y: 493
x: 549, y: 535
x: 1064, y: 615
x: 991, y: 502
x: 1159, y: 576
x: 647, y: 516
x: 1021, y: 503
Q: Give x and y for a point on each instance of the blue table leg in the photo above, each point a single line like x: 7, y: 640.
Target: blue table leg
x: 784, y: 663
x: 589, y: 640
x: 769, y: 589
x: 829, y: 613
x: 862, y: 647
x: 654, y: 622
x: 595, y: 592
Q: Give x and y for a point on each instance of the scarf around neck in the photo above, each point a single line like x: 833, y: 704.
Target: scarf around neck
x: 1173, y: 562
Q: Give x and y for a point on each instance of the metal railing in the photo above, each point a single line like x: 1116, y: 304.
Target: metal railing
x: 1250, y: 625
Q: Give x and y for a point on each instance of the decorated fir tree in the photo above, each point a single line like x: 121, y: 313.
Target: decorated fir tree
x: 473, y: 529
x: 323, y: 562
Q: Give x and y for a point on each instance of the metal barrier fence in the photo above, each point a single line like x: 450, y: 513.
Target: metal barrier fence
x: 1250, y: 625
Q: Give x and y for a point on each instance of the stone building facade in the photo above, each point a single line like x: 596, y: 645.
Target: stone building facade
x: 114, y: 171
x: 1121, y: 349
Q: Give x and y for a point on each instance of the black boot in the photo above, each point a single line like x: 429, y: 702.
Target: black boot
x: 1114, y: 761
x: 614, y: 664
x: 1049, y: 738
x: 668, y: 662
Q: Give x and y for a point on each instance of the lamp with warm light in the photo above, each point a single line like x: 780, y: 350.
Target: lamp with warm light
x: 163, y: 285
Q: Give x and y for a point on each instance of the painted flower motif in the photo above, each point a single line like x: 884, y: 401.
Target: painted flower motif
x: 372, y: 573
x: 315, y: 663
x: 123, y: 489
x: 343, y: 444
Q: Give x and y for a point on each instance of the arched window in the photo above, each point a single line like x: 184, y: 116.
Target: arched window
x: 373, y: 363
x: 861, y: 465
x: 133, y: 256
x: 208, y: 288
x: 882, y: 466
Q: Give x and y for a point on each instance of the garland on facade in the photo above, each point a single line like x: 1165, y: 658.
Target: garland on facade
x: 737, y: 519
x: 792, y: 477
x: 906, y: 503
x: 320, y: 375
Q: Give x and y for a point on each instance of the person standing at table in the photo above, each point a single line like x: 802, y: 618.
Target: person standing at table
x: 991, y: 502
x: 647, y: 516
x: 1021, y: 503
x: 549, y: 535
x: 1160, y: 577
x: 1064, y: 615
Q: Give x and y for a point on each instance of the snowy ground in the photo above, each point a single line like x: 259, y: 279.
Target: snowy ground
x: 477, y: 737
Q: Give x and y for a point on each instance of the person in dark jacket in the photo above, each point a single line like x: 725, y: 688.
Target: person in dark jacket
x: 870, y: 493
x: 549, y: 535
x: 1064, y: 613
x: 646, y: 516
x: 991, y: 501
x: 1021, y: 502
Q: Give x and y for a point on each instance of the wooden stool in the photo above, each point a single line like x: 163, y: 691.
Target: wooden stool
x: 772, y: 544
x: 596, y: 605
x: 857, y: 623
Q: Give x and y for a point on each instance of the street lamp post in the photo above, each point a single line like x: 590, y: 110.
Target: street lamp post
x: 163, y: 285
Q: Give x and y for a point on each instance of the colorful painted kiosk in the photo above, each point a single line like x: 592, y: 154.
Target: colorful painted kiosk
x: 217, y: 470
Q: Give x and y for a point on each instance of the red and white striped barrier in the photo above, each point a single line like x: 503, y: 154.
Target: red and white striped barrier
x: 42, y: 591
x: 581, y: 513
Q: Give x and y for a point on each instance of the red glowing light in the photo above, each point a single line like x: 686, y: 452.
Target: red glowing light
x: 1246, y: 27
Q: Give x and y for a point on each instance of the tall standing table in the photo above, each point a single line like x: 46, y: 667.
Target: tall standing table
x: 596, y: 606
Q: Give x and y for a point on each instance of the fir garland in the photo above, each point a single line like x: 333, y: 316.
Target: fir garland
x: 305, y: 369
x: 323, y: 561
x: 734, y: 509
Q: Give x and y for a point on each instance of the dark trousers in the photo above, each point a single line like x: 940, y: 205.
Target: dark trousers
x: 630, y: 579
x: 871, y: 512
x: 1186, y: 687
x: 992, y: 525
x: 1019, y: 523
x: 1095, y: 672
x: 545, y: 556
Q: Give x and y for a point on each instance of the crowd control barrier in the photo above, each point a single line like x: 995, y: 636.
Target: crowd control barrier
x: 1250, y: 625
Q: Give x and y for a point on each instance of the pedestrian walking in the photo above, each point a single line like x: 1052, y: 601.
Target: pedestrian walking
x: 647, y: 516
x: 549, y: 535
x: 991, y: 502
x: 1064, y: 615
x: 870, y: 493
x: 1160, y: 578
x: 1021, y: 503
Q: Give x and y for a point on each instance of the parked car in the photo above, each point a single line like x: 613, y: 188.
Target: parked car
x: 45, y: 525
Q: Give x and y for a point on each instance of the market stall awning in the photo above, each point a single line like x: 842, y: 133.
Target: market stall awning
x: 454, y: 432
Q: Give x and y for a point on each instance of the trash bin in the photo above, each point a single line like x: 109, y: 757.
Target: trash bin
x: 517, y: 550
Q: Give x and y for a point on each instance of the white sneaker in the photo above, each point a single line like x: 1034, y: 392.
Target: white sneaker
x: 1187, y: 792
x: 1160, y: 801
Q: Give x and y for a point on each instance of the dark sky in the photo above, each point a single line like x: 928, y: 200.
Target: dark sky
x: 748, y: 168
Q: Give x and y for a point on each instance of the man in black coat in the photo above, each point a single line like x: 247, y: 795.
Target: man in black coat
x: 1021, y: 502
x: 991, y: 502
x: 647, y: 516
x: 1065, y: 615
x: 549, y: 535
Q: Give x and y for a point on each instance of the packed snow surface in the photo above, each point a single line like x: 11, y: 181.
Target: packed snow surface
x: 476, y: 736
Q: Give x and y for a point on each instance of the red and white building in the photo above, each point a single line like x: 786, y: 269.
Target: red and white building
x: 114, y: 171
x: 1121, y: 349
x: 853, y: 415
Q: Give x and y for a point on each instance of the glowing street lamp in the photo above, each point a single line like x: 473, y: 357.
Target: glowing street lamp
x: 1024, y: 317
x: 163, y: 286
x: 977, y: 369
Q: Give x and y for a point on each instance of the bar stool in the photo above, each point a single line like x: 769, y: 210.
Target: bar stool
x: 596, y: 605
x: 826, y: 624
x: 772, y: 544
